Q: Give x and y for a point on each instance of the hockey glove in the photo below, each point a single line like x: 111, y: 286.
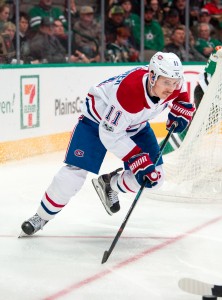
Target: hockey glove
x: 142, y: 167
x: 182, y: 113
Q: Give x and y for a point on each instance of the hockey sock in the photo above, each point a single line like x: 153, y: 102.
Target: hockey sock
x: 66, y: 183
x: 124, y: 182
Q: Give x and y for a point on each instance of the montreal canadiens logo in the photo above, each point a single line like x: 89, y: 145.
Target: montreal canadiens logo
x: 79, y: 153
x: 160, y: 57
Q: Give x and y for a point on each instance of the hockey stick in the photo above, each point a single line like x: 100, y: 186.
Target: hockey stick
x: 197, y: 287
x: 107, y: 253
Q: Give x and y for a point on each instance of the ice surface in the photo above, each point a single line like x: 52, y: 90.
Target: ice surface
x: 162, y: 242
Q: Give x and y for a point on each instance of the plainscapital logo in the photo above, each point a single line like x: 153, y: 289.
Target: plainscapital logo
x: 67, y: 107
x: 30, y: 108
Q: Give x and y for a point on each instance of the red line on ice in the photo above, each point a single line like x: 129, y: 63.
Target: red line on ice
x: 130, y: 260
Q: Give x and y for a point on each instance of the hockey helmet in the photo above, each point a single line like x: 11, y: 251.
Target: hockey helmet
x: 165, y: 64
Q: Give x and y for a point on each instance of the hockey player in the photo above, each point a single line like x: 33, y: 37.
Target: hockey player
x: 176, y: 139
x: 115, y: 119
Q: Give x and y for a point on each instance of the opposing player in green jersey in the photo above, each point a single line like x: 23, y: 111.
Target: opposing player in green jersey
x: 176, y: 139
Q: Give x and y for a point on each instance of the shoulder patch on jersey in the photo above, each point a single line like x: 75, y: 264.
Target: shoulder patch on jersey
x: 131, y: 92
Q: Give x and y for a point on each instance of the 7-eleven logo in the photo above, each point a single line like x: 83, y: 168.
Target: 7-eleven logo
x: 30, y: 91
x: 29, y: 101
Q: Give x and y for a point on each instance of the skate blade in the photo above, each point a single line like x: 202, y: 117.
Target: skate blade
x: 100, y: 194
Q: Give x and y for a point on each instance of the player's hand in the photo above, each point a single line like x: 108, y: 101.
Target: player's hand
x: 142, y: 167
x: 182, y: 113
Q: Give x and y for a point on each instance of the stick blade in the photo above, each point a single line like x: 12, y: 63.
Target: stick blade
x: 105, y: 256
x: 195, y: 287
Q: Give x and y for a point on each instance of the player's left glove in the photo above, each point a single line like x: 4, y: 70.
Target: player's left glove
x: 182, y: 113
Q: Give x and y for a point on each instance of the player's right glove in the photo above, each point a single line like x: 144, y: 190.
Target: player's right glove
x: 142, y: 167
x: 182, y: 113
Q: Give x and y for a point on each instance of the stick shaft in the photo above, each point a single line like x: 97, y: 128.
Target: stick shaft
x: 116, y: 238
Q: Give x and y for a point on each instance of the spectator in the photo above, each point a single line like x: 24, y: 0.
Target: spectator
x: 45, y: 46
x: 87, y: 34
x: 115, y: 21
x: 7, y: 50
x: 137, y: 6
x: 194, y: 15
x: 215, y: 10
x: 204, y: 17
x: 130, y: 19
x: 81, y: 57
x: 4, y: 15
x: 205, y: 43
x: 73, y: 11
x: 158, y: 11
x: 23, y: 34
x: 3, y: 51
x: 153, y: 34
x: 177, y: 46
x: 213, y: 6
x: 171, y: 22
x: 45, y: 9
x: 198, y: 4
x: 59, y: 32
x: 180, y: 6
x: 109, y: 5
x: 166, y: 6
x: 121, y: 50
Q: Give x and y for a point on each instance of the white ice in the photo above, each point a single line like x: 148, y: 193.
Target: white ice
x: 161, y: 243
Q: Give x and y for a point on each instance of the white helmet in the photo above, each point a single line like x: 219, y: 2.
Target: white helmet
x: 165, y: 64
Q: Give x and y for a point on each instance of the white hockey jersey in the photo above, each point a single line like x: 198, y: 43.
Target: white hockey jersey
x: 121, y: 106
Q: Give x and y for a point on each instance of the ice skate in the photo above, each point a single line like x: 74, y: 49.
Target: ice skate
x: 32, y: 225
x: 108, y: 197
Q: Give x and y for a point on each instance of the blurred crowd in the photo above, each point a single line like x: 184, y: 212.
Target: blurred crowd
x: 44, y: 36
